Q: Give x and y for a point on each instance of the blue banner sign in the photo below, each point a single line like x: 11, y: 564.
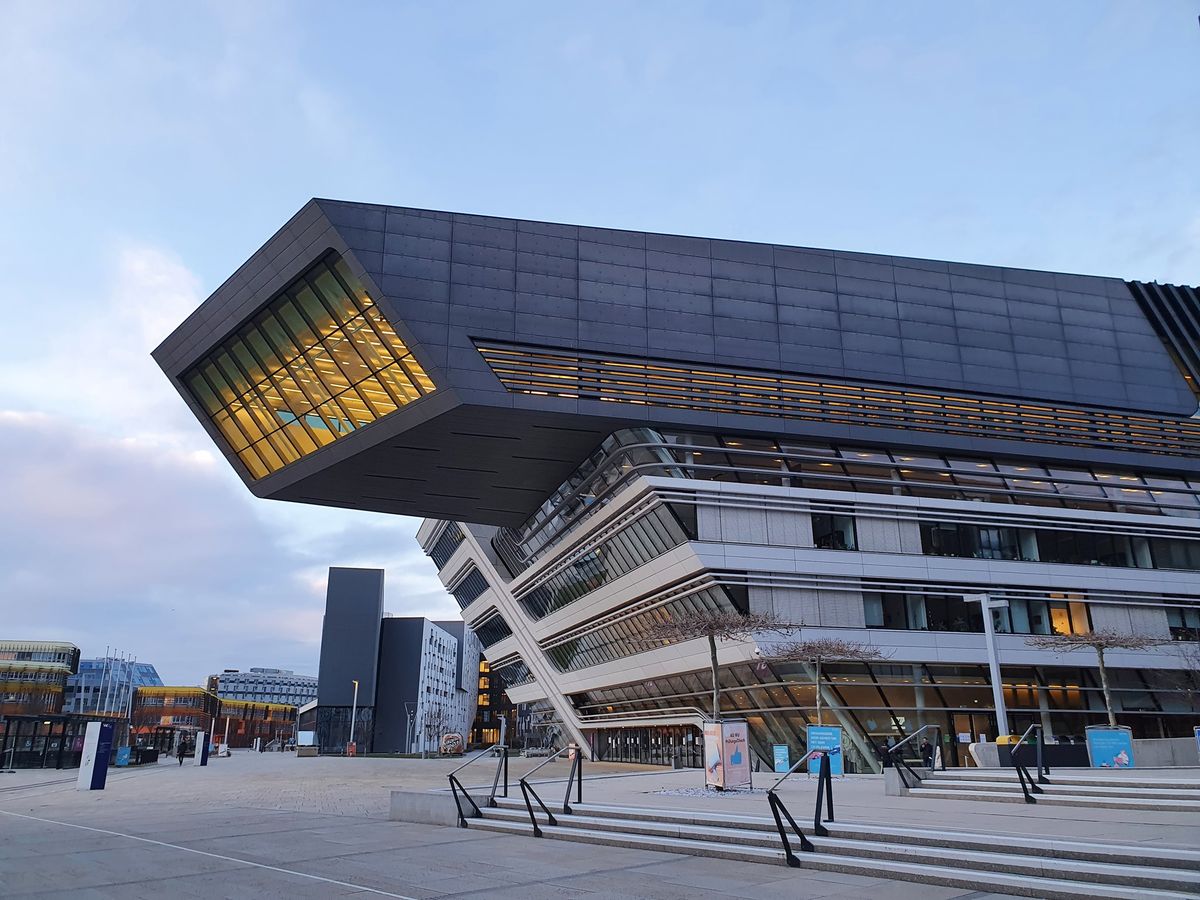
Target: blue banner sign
x: 783, y: 761
x: 123, y: 756
x: 828, y: 739
x: 1109, y: 747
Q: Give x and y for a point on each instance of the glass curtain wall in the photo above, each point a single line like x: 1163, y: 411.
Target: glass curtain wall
x: 319, y: 362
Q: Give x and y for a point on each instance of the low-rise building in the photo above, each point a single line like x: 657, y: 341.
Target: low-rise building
x: 180, y: 708
x: 265, y: 686
x: 33, y: 676
x: 104, y: 686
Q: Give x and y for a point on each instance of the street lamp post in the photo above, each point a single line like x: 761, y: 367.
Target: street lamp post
x: 354, y: 713
x: 986, y: 605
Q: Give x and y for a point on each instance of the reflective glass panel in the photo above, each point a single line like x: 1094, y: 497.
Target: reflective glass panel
x: 312, y: 367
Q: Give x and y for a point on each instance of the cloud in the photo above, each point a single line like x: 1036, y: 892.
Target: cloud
x: 123, y: 526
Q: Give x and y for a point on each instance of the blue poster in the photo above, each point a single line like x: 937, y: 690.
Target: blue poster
x: 123, y: 756
x: 1109, y: 747
x: 1196, y: 729
x: 783, y: 761
x: 829, y: 739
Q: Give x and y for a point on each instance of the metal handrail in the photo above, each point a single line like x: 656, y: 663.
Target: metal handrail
x: 478, y: 755
x: 902, y: 766
x: 805, y: 758
x: 574, y: 779
x: 824, y: 796
x: 1029, y: 787
x: 1042, y: 769
x: 663, y: 713
x: 457, y: 786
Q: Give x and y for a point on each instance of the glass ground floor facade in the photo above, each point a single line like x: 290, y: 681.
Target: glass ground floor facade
x: 880, y: 704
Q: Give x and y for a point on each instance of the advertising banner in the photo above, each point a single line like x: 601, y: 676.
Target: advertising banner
x: 726, y: 754
x: 123, y: 756
x: 714, y: 771
x: 97, y: 747
x: 783, y: 760
x: 1110, y: 747
x: 737, y: 754
x: 1196, y: 731
x: 827, y: 738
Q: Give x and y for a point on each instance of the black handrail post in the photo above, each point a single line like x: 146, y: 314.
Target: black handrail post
x: 806, y: 846
x: 824, y: 783
x: 579, y: 783
x: 571, y: 782
x: 455, y: 788
x: 537, y: 832
x: 1043, y: 770
x: 827, y: 768
x: 506, y: 773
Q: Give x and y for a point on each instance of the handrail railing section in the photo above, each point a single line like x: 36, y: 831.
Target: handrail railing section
x: 901, y: 764
x: 824, y: 797
x: 456, y: 786
x: 1029, y: 786
x: 574, y: 780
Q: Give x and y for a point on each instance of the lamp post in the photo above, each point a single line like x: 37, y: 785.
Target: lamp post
x: 354, y: 713
x: 986, y: 605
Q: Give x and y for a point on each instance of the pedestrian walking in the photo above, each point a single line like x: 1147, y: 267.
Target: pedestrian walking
x: 927, y: 753
x: 180, y: 750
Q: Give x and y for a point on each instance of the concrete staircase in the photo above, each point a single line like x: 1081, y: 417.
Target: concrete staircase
x: 1085, y: 788
x: 1029, y: 867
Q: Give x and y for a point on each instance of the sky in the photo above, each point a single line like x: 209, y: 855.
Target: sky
x: 148, y: 149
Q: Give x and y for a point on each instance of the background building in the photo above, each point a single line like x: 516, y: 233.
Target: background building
x: 264, y: 685
x: 610, y: 428
x: 33, y: 676
x: 175, y: 707
x: 241, y: 722
x: 416, y: 678
x: 105, y: 685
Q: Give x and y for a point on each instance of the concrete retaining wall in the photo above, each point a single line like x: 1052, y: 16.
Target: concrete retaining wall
x: 1149, y: 753
x: 423, y: 808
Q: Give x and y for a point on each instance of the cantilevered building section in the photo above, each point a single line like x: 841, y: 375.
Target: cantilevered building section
x: 606, y: 428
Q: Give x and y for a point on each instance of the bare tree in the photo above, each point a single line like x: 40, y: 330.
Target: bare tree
x: 1188, y: 677
x: 435, y: 723
x: 819, y: 650
x: 716, y: 626
x: 1100, y: 641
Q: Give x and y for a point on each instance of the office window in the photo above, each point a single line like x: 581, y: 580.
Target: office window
x: 318, y: 363
x: 831, y: 532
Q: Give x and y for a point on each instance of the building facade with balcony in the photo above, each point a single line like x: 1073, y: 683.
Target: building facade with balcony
x: 605, y: 429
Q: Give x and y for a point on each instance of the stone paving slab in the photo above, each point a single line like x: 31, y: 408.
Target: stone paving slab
x: 273, y: 826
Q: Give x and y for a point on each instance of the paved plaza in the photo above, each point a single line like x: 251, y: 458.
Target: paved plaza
x: 272, y: 825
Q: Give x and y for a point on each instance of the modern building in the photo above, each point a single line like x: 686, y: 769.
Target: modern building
x: 178, y: 708
x: 241, y: 722
x: 496, y: 715
x: 415, y: 678
x: 264, y: 686
x: 104, y: 686
x: 607, y: 428
x: 33, y: 676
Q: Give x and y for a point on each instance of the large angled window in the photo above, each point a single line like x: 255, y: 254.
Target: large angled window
x: 318, y: 363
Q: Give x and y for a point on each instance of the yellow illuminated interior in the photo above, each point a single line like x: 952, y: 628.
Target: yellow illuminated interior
x: 317, y: 364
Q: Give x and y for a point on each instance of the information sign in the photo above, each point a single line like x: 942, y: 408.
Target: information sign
x: 827, y: 738
x: 123, y: 756
x: 783, y: 760
x: 1110, y: 747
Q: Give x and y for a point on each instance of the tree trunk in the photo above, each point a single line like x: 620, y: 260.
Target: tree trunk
x: 818, y: 690
x: 1112, y: 719
x: 716, y: 677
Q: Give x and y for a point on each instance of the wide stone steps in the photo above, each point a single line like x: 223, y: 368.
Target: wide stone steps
x: 1030, y: 867
x: 973, y: 861
x: 999, y: 785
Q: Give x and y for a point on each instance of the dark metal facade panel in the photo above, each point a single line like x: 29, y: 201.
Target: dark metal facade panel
x: 350, y: 637
x: 445, y: 279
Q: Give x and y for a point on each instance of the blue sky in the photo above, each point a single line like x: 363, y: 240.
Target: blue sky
x: 148, y: 149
